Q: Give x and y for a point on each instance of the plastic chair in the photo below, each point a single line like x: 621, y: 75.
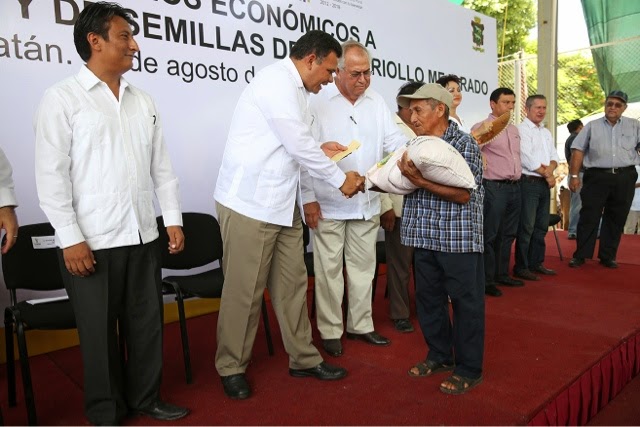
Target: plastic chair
x: 554, y: 219
x: 25, y: 267
x: 203, y: 245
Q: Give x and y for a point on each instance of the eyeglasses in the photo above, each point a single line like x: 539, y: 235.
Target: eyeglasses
x: 356, y: 74
x: 610, y: 104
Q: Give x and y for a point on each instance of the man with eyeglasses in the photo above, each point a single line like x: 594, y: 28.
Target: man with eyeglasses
x: 608, y: 150
x: 345, y: 231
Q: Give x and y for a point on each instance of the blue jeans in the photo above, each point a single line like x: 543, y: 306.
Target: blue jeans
x: 534, y: 222
x: 501, y: 215
x: 574, y: 210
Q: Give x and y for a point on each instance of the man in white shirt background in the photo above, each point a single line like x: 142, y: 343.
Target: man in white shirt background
x: 100, y: 157
x: 8, y: 203
x: 348, y: 229
x: 399, y: 256
x: 539, y: 160
x: 269, y: 141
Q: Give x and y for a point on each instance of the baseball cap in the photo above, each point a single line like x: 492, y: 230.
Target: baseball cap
x: 618, y: 94
x: 429, y: 90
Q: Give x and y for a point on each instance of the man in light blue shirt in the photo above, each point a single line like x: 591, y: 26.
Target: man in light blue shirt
x: 608, y: 150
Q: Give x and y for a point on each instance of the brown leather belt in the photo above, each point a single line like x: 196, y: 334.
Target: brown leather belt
x: 533, y: 178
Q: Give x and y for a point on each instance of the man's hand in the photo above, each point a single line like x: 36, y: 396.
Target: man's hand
x: 312, y: 214
x: 574, y: 184
x: 79, y: 260
x: 551, y: 181
x: 176, y: 239
x: 352, y: 184
x: 388, y: 220
x: 409, y: 169
x: 331, y: 148
x: 9, y: 222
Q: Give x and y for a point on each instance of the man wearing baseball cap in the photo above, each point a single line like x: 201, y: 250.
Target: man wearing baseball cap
x: 608, y: 150
x: 444, y: 226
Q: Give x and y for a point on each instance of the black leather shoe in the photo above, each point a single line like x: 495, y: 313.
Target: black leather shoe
x: 333, y: 347
x: 492, y: 291
x: 403, y: 325
x: 543, y: 270
x: 609, y: 263
x: 571, y: 236
x: 164, y: 411
x: 323, y: 371
x: 576, y: 262
x: 508, y: 281
x: 236, y: 386
x: 372, y: 338
x: 526, y: 275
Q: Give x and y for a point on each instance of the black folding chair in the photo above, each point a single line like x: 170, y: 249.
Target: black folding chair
x: 554, y: 219
x: 25, y: 267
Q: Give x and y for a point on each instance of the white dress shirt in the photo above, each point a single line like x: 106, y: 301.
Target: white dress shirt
x: 269, y: 139
x: 98, y: 162
x: 635, y: 204
x: 461, y: 124
x: 536, y: 147
x: 7, y: 189
x: 394, y: 201
x: 368, y: 121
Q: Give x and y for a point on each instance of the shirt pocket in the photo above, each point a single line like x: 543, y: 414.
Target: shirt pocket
x: 99, y: 214
x: 143, y: 129
x: 274, y: 190
x: 629, y: 142
x: 88, y: 131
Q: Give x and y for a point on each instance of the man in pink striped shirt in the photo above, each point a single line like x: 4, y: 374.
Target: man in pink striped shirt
x: 502, y: 195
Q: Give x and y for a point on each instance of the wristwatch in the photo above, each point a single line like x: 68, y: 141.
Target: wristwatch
x: 574, y: 176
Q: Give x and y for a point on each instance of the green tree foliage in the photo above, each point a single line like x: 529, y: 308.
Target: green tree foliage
x: 521, y: 18
x: 579, y: 91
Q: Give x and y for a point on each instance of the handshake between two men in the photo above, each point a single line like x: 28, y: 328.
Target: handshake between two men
x: 354, y: 182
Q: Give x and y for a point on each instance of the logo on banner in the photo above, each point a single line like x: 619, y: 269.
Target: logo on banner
x: 477, y: 34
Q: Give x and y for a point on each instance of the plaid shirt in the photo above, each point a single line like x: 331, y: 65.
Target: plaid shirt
x: 429, y: 222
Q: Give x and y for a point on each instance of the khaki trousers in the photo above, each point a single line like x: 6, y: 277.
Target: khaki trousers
x: 632, y: 223
x: 258, y: 255
x: 356, y: 241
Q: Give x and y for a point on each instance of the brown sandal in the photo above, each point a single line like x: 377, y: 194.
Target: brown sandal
x: 460, y: 384
x: 429, y: 367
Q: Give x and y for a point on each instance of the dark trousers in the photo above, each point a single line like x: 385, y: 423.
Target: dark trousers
x: 399, y: 258
x: 501, y: 216
x: 461, y: 339
x: 534, y: 223
x: 124, y: 292
x: 607, y: 196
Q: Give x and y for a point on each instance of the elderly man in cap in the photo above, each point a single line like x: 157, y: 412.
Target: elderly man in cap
x: 608, y: 150
x: 444, y: 225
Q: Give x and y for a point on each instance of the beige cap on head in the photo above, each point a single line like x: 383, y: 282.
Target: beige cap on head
x: 429, y: 90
